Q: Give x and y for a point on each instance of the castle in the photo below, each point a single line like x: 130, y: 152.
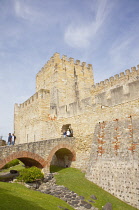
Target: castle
x: 104, y: 118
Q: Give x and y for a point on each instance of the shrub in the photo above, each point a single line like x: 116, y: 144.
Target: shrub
x: 30, y: 174
x: 11, y: 163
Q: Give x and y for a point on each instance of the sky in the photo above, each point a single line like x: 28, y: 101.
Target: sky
x: 103, y: 33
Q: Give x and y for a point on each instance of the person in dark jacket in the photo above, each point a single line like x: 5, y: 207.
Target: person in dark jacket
x: 9, y: 139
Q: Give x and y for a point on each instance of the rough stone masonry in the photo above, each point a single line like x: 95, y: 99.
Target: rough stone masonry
x: 104, y: 118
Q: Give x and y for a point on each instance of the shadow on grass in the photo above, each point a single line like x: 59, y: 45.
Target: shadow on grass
x: 8, y: 201
x: 8, y: 177
x: 55, y: 168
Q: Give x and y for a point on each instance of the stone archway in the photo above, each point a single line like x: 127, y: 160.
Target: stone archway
x: 62, y: 155
x: 28, y: 158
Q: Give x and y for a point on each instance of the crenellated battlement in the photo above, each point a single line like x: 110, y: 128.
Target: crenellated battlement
x: 56, y: 59
x: 118, y: 79
x: 59, y: 71
x: 41, y: 94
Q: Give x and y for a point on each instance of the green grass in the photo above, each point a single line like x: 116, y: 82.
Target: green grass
x: 18, y: 167
x: 75, y: 180
x: 16, y: 196
x: 11, y: 163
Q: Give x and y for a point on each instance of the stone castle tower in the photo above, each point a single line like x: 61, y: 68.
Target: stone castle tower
x: 67, y: 82
x: 61, y: 87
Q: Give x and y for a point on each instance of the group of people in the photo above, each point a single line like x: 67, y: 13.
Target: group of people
x: 68, y: 133
x: 11, y: 139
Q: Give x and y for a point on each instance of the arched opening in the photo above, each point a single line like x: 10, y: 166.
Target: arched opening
x: 62, y: 158
x: 28, y: 162
x: 29, y: 159
x: 11, y: 170
x: 65, y: 128
x: 15, y: 163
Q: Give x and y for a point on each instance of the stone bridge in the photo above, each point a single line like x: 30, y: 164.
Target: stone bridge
x: 41, y: 154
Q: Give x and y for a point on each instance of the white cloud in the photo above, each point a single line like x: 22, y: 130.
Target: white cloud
x: 101, y: 13
x: 77, y: 37
x: 119, y: 50
x: 82, y: 35
x: 122, y: 52
x: 25, y: 11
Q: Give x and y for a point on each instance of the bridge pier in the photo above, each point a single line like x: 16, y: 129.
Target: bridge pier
x: 46, y: 170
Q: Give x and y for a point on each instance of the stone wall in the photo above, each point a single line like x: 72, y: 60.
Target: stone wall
x: 68, y: 81
x: 117, y: 80
x: 119, y: 95
x: 2, y: 142
x: 30, y: 117
x: 114, y: 158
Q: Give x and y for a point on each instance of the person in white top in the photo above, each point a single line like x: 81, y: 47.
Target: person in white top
x: 68, y: 133
x: 13, y: 139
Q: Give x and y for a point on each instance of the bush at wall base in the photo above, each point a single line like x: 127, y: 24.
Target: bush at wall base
x: 30, y: 174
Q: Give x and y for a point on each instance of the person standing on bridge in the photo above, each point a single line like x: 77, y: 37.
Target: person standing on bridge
x: 13, y: 139
x: 9, y: 139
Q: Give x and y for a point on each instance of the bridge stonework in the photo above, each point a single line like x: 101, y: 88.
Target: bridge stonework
x: 40, y: 153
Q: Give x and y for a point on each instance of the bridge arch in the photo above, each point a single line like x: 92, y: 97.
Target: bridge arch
x: 28, y: 158
x: 64, y: 154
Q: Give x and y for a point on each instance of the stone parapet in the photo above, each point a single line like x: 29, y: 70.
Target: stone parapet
x: 118, y: 95
x: 116, y: 80
x: 38, y: 153
x: 41, y: 94
x: 2, y: 142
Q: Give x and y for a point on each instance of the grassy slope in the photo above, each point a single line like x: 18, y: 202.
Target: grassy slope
x: 18, y: 167
x: 16, y: 196
x: 76, y: 181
